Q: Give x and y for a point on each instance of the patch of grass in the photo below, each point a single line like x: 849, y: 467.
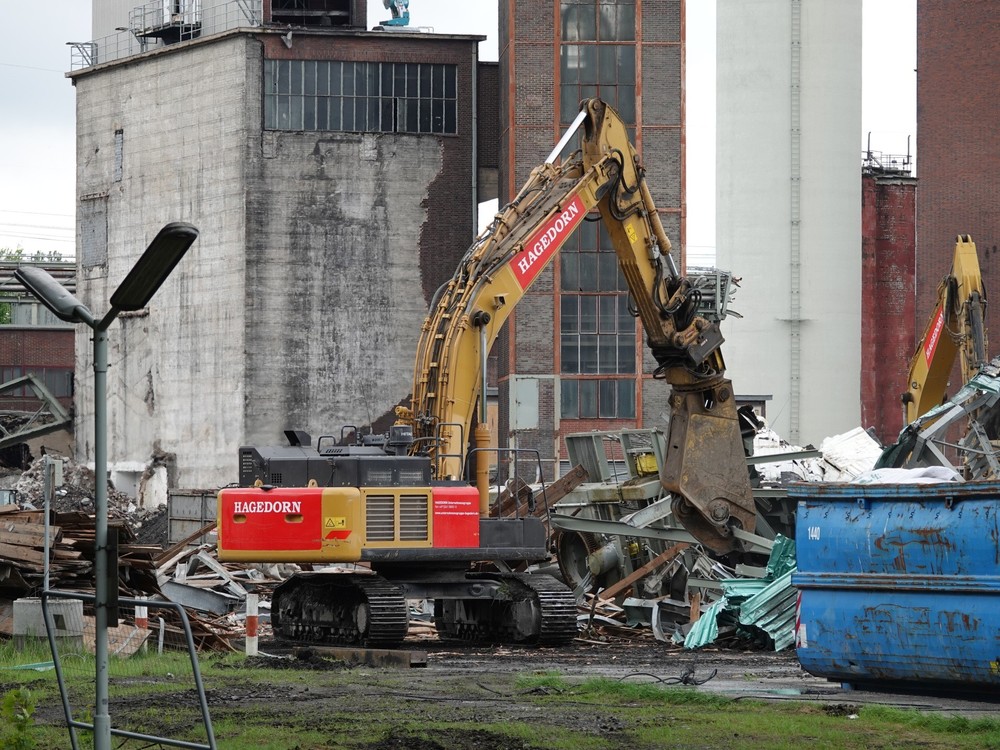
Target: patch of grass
x: 360, y: 709
x: 550, y: 680
x: 933, y: 722
x: 603, y: 688
x: 34, y: 651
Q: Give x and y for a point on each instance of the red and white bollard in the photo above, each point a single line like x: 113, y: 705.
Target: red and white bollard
x: 142, y: 615
x: 251, y: 647
x: 142, y: 620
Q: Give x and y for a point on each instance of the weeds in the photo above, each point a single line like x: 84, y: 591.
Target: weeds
x: 17, y: 711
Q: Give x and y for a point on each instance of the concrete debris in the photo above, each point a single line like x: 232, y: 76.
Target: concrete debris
x: 76, y: 494
x: 918, y: 475
x: 844, y: 457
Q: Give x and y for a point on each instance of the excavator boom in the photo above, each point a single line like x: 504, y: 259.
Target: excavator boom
x: 705, y: 468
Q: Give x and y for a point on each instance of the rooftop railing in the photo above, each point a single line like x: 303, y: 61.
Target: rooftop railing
x: 158, y: 24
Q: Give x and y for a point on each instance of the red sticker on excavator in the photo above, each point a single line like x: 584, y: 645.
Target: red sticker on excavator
x: 284, y: 518
x: 542, y: 245
x: 456, y: 517
x: 933, y: 336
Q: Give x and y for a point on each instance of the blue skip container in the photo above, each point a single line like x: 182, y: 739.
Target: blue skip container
x: 899, y: 585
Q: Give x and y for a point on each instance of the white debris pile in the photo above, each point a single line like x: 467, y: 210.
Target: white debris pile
x: 843, y: 458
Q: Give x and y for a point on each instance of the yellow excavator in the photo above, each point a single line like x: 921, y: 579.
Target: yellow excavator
x: 956, y: 329
x: 415, y: 505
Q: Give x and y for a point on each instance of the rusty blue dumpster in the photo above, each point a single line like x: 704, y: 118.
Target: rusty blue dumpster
x: 899, y: 585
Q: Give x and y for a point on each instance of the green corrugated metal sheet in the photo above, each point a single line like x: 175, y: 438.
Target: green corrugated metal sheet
x: 766, y: 604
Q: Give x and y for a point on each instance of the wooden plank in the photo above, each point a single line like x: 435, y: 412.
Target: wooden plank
x: 26, y: 540
x: 30, y: 516
x: 564, y: 485
x: 66, y: 554
x: 22, y: 554
x: 553, y: 493
x: 172, y: 551
x: 626, y: 582
x: 19, y: 525
x: 10, y: 508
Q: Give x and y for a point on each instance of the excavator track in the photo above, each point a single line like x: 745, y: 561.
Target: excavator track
x: 529, y: 609
x: 340, y: 609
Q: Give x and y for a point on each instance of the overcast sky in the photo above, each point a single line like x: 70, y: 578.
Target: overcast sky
x: 37, y: 129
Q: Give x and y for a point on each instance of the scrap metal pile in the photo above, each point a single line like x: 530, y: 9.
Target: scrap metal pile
x: 635, y: 566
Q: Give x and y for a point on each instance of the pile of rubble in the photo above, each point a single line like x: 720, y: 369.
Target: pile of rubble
x: 76, y: 494
x: 145, y: 560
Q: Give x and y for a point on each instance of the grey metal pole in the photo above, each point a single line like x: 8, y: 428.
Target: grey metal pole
x: 47, y: 493
x: 102, y: 716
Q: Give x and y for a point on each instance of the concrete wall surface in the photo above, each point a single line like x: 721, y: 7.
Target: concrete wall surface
x: 335, y: 304
x: 157, y: 141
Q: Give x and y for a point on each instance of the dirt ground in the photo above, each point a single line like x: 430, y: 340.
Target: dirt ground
x: 478, y: 685
x: 730, y: 672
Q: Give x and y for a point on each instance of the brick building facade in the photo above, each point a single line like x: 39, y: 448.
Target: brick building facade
x: 958, y: 132
x: 553, y: 55
x: 888, y: 304
x: 47, y: 353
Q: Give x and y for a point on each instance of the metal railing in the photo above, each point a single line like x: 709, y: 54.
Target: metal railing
x: 160, y: 23
x: 875, y: 162
x: 125, y: 644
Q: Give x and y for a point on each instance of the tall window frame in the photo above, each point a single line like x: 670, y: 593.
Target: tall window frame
x: 598, y: 335
x: 597, y: 330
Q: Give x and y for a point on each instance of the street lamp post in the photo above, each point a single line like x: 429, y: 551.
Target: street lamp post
x: 134, y: 293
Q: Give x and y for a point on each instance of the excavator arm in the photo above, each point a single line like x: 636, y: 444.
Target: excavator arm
x: 956, y: 327
x: 705, y: 468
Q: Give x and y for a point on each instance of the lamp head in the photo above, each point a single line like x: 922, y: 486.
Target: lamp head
x: 53, y: 295
x: 153, y: 268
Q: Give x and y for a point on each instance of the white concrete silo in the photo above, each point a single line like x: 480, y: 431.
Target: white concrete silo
x: 788, y: 216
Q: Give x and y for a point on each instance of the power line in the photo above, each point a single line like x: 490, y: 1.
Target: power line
x: 40, y: 237
x: 30, y: 213
x: 31, y: 67
x: 38, y: 226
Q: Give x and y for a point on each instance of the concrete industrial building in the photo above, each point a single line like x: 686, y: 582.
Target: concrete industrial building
x: 563, y: 368
x: 329, y: 214
x: 789, y: 208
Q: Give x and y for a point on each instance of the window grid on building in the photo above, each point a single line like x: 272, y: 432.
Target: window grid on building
x: 597, y: 331
x: 592, y: 61
x: 386, y: 97
x: 58, y: 381
x: 597, y: 336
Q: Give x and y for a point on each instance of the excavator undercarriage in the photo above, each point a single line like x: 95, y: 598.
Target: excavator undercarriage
x: 371, y: 610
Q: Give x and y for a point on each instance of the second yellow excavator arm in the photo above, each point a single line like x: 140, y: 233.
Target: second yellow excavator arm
x: 956, y: 327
